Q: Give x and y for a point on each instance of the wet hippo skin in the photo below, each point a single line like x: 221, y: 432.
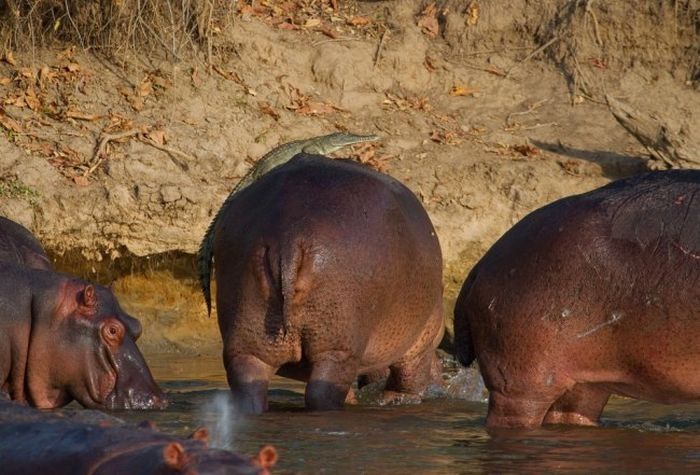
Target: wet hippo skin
x: 62, y: 338
x: 327, y: 270
x: 32, y: 442
x: 592, y: 295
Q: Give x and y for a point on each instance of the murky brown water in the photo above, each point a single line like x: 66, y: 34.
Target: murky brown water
x: 441, y: 436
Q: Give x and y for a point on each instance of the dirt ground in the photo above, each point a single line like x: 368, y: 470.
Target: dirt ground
x: 487, y: 109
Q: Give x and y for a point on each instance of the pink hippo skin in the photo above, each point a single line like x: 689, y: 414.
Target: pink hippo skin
x: 592, y: 295
x: 327, y: 270
x: 62, y: 338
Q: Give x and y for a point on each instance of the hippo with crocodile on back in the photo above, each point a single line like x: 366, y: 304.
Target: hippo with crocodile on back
x: 62, y: 338
x: 18, y: 245
x: 592, y: 295
x: 327, y: 270
x: 33, y: 442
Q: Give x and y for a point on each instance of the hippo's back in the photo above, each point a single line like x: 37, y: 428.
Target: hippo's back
x: 334, y: 203
x: 19, y: 246
x: 593, y: 285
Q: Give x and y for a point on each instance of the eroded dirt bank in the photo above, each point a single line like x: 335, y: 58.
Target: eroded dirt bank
x: 119, y: 165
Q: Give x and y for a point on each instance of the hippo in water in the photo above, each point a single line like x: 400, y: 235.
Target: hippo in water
x: 327, y: 270
x: 18, y: 245
x: 33, y: 442
x: 62, y: 338
x: 592, y: 295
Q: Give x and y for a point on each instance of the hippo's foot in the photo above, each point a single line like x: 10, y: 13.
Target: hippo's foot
x: 248, y: 378
x: 581, y: 405
x: 390, y: 398
x: 332, y: 375
x: 516, y: 412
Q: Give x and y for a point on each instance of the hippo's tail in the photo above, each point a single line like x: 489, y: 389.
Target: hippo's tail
x: 295, y: 277
x: 463, y: 342
x: 204, y: 257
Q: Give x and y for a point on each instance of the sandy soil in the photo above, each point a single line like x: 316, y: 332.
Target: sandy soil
x: 482, y: 130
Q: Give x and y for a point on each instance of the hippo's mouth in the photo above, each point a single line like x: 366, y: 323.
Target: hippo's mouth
x: 128, y: 392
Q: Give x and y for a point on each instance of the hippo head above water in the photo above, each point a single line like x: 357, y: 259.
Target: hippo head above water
x: 82, y: 346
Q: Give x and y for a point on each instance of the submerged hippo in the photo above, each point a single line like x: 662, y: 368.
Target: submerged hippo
x: 327, y: 270
x: 591, y: 295
x: 32, y: 442
x: 62, y: 338
x: 18, y: 245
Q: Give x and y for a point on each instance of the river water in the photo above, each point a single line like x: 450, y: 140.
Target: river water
x: 441, y: 436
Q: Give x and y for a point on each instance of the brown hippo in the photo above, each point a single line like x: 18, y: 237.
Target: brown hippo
x: 18, y: 245
x: 32, y: 442
x: 591, y: 295
x: 62, y: 338
x: 327, y: 270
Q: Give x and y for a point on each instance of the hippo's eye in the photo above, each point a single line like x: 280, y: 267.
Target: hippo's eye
x: 113, y: 333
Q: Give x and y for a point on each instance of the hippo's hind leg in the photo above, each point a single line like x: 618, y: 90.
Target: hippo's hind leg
x: 420, y: 367
x: 249, y: 377
x: 373, y: 377
x: 581, y: 405
x: 332, y: 375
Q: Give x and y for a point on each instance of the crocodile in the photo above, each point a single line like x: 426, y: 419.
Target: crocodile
x: 280, y: 155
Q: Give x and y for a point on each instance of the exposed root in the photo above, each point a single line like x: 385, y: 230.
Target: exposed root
x: 667, y: 149
x: 100, y: 150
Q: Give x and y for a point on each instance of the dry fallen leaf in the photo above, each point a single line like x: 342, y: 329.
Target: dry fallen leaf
x: 526, y: 150
x: 26, y: 72
x: 4, y: 81
x: 73, y: 114
x: 315, y: 108
x: 312, y: 23
x: 463, y: 91
x: 473, y: 13
x: 73, y: 67
x: 81, y: 181
x: 66, y: 53
x: 136, y: 102
x: 9, y: 58
x: 287, y: 26
x: 10, y: 124
x: 144, y: 88
x: 32, y: 99
x: 428, y: 22
x: 46, y: 74
x: 359, y: 21
x: 266, y: 108
x: 157, y: 136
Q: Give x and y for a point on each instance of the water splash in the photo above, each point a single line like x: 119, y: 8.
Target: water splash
x: 220, y: 417
x: 467, y: 384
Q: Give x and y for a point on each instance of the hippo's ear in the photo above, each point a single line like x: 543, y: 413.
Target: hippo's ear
x: 174, y: 456
x: 266, y: 458
x: 89, y: 298
x: 201, y: 434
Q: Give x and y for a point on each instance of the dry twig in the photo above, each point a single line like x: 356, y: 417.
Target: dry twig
x: 378, y: 54
x: 535, y: 52
x: 668, y: 149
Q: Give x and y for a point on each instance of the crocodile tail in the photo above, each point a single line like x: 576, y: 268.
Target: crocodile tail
x: 204, y: 257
